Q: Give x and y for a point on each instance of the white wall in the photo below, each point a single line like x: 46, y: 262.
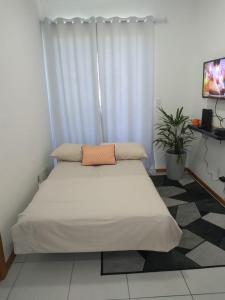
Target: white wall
x: 211, y: 44
x: 24, y: 126
x: 175, y: 42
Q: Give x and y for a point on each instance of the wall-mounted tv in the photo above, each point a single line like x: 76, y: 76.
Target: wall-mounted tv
x: 214, y: 79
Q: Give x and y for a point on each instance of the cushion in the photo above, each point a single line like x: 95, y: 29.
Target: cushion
x: 68, y: 152
x: 126, y: 151
x: 98, y: 155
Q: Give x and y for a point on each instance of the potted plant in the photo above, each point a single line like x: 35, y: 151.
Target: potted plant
x: 174, y: 135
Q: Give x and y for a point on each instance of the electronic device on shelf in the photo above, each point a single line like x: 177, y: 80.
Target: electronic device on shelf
x: 214, y: 79
x: 207, y: 115
x: 213, y: 86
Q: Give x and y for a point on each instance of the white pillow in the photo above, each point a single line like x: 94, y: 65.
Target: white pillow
x: 126, y: 151
x: 68, y: 152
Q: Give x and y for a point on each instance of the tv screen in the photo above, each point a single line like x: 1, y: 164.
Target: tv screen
x: 214, y: 79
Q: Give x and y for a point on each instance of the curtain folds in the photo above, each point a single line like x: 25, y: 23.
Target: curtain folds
x: 126, y: 66
x: 72, y: 81
x: 100, y: 79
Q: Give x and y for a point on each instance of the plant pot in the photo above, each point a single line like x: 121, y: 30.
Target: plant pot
x: 175, y: 168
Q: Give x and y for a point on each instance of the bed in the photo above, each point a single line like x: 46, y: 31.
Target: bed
x: 92, y: 209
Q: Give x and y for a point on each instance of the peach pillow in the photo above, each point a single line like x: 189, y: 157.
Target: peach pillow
x: 98, y: 155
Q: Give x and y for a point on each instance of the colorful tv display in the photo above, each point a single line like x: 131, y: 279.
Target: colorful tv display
x: 214, y: 79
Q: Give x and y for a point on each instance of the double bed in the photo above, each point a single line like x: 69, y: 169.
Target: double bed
x: 96, y: 208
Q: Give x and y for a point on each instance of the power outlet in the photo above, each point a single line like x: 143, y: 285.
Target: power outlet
x: 222, y: 178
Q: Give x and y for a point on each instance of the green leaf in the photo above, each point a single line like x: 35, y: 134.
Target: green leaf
x: 173, y: 132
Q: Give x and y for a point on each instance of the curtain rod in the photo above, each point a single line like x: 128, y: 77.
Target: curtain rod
x: 155, y: 20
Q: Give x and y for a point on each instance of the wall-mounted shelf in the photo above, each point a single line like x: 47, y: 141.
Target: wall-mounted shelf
x: 208, y: 133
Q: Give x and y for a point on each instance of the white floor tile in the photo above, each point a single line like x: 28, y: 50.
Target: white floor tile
x: 7, y: 283
x: 167, y: 298
x: 50, y: 257
x: 203, y: 281
x: 157, y: 284
x: 88, y: 284
x: 43, y: 281
x: 210, y: 297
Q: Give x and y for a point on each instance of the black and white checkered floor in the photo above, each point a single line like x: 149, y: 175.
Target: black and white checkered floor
x: 202, y: 220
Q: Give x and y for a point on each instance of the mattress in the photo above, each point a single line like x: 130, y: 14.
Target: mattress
x: 91, y: 209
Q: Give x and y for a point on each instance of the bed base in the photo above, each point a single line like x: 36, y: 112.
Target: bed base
x: 4, y: 264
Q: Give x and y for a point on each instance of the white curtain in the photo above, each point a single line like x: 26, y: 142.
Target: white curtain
x: 126, y: 70
x: 100, y: 83
x: 72, y: 81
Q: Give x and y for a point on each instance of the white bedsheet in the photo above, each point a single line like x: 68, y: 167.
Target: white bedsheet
x: 105, y: 208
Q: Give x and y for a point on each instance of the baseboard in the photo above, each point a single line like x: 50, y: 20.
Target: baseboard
x: 208, y: 189
x: 4, y: 264
x: 163, y: 170
x: 201, y: 182
x: 158, y: 171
